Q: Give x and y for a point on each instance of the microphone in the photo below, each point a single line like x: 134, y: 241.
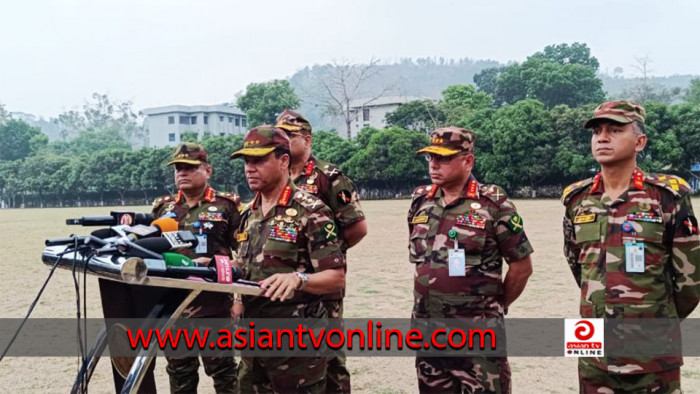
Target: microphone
x: 123, y: 218
x: 182, y: 266
x: 156, y: 228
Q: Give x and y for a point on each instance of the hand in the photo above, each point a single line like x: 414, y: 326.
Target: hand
x: 202, y: 260
x: 236, y: 310
x: 280, y: 286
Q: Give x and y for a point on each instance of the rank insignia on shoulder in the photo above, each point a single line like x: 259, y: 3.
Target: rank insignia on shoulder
x: 241, y: 237
x: 419, y: 219
x: 588, y: 218
x: 344, y: 197
x: 515, y: 224
x: 471, y: 220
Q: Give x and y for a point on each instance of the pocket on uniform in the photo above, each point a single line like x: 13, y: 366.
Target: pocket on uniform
x: 472, y: 241
x: 587, y: 232
x: 286, y: 251
x: 418, y: 243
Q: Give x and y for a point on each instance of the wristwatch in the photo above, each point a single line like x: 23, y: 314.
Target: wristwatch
x: 304, y: 279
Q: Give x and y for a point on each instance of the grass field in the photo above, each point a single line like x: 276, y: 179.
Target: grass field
x: 379, y: 286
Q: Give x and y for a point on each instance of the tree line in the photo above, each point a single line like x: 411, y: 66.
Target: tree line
x: 527, y: 116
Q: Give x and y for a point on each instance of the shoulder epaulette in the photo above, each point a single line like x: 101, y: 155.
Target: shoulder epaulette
x: 161, y: 200
x: 573, y: 189
x: 329, y: 169
x: 675, y: 184
x: 308, y: 201
x: 494, y: 193
x: 233, y: 197
x: 421, y: 191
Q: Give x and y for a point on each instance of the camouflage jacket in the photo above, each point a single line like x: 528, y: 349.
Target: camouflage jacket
x: 486, y: 225
x: 655, y: 211
x: 217, y: 216
x: 298, y: 234
x: 337, y: 191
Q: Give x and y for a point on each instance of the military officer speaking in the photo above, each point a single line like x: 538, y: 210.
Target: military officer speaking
x: 460, y: 233
x: 288, y: 241
x: 213, y: 218
x: 337, y: 191
x: 631, y: 240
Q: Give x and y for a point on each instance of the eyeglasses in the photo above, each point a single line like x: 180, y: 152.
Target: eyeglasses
x: 442, y: 159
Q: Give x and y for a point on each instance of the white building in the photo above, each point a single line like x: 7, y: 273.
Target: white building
x: 167, y: 124
x: 372, y: 113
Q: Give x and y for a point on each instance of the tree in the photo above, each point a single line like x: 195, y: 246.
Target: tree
x: 561, y: 74
x: 461, y: 102
x: 523, y: 146
x: 576, y: 53
x: 262, y: 102
x: 228, y: 175
x: 343, y: 84
x: 573, y: 160
x: 18, y: 139
x: 390, y: 159
x: 331, y: 147
x: 692, y: 93
x: 419, y: 115
x: 4, y: 115
x: 91, y: 141
x: 104, y: 115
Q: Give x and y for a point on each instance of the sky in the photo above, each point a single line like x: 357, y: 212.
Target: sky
x: 55, y: 54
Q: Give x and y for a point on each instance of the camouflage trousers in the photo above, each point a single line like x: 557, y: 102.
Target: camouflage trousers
x: 463, y: 375
x: 337, y: 374
x: 184, y: 371
x: 282, y: 375
x: 594, y: 380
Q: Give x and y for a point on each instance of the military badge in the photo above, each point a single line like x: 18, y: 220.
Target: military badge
x: 291, y: 212
x: 241, y: 237
x: 419, y: 219
x: 211, y: 217
x: 282, y: 233
x: 475, y: 205
x: 587, y: 218
x: 649, y: 217
x: 515, y: 224
x: 472, y: 219
x: 330, y: 231
x: 310, y: 188
x: 208, y: 225
x: 212, y: 209
x: 344, y: 197
x: 690, y: 225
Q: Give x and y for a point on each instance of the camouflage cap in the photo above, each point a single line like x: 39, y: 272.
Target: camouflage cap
x: 293, y: 121
x: 448, y: 141
x: 620, y: 111
x: 261, y: 141
x: 189, y: 153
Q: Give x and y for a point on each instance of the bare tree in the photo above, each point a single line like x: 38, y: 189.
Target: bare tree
x: 643, y: 91
x: 4, y: 115
x: 344, y: 83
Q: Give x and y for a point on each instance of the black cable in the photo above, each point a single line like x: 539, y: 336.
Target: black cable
x: 86, y: 258
x: 31, y: 307
x: 77, y: 300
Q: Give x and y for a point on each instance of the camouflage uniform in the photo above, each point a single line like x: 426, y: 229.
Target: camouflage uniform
x: 485, y: 224
x: 655, y: 211
x: 217, y: 217
x: 298, y: 234
x: 338, y: 192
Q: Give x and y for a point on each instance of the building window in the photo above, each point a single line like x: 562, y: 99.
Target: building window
x: 230, y: 119
x: 171, y: 137
x: 221, y: 118
x: 238, y: 121
x: 184, y: 120
x: 193, y: 120
x: 365, y: 114
x: 206, y: 119
x: 171, y: 120
x: 244, y: 122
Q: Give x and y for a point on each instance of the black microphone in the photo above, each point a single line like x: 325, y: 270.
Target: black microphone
x: 116, y: 218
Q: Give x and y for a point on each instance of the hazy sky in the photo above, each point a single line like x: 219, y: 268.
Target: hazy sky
x: 54, y: 54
